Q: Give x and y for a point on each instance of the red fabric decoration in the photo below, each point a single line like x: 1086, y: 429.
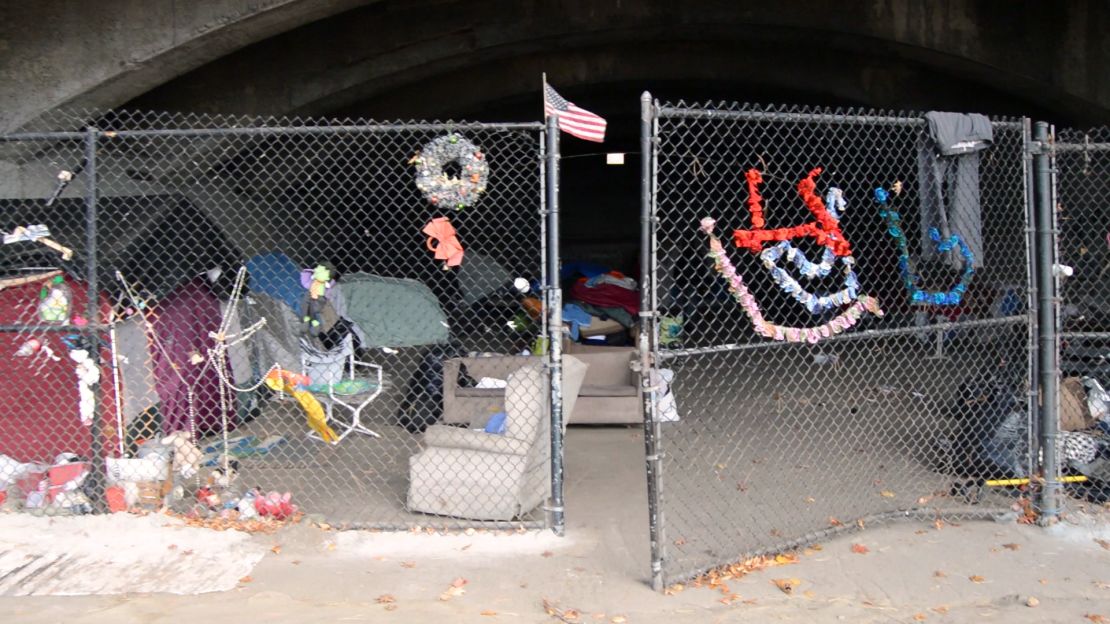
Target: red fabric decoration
x: 443, y: 240
x: 825, y: 230
x: 755, y: 200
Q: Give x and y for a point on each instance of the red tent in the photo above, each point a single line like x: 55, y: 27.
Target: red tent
x: 39, y: 413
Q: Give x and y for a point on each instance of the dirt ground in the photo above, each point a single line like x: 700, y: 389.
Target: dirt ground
x: 974, y: 571
x: 980, y: 571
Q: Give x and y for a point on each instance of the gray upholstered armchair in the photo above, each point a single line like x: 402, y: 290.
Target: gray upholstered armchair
x: 468, y: 473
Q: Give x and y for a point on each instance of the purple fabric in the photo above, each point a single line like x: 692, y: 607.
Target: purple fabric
x: 183, y: 321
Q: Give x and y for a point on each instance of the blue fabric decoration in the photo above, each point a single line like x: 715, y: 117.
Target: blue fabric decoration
x: 834, y: 202
x: 275, y: 274
x: 496, y: 424
x: 910, y: 278
x: 576, y: 317
x: 798, y: 257
x: 815, y: 304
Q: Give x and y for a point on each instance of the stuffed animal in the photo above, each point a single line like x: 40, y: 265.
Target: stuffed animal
x: 88, y: 375
x: 314, y: 303
x: 221, y: 479
x: 186, y: 455
x: 274, y: 505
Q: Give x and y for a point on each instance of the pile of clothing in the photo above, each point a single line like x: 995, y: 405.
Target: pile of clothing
x: 599, y: 296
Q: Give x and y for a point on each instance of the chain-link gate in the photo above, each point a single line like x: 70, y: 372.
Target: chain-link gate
x: 215, y: 313
x: 840, y: 326
x: 1081, y: 162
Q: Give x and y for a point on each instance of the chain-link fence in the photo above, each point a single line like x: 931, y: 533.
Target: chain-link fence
x: 235, y: 316
x: 1082, y: 165
x: 842, y: 325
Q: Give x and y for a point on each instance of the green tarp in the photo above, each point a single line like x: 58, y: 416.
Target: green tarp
x: 393, y: 312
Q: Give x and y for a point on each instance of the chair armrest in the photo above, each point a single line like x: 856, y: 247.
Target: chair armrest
x: 450, y: 382
x: 445, y: 436
x: 497, y: 366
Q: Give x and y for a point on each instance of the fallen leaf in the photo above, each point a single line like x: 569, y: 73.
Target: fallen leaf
x: 1096, y: 618
x: 451, y: 592
x: 920, y: 532
x: 172, y: 547
x: 408, y: 564
x: 1104, y: 543
x: 886, y: 494
x: 919, y: 617
x: 1043, y: 581
x: 187, y: 552
x: 809, y: 593
x: 246, y: 579
x: 1012, y: 546
x: 810, y: 499
x: 834, y: 522
x: 942, y: 609
x: 817, y: 547
x: 787, y: 585
x: 467, y: 547
x: 459, y: 582
x: 939, y: 574
x: 680, y: 541
x: 385, y: 599
x: 489, y: 612
x: 860, y: 549
x: 618, y: 619
x: 674, y: 589
x: 785, y: 559
x: 1032, y: 602
x: 276, y: 550
x: 938, y: 523
x: 547, y: 553
x: 860, y: 523
x: 1102, y: 584
x: 975, y: 578
x: 296, y: 562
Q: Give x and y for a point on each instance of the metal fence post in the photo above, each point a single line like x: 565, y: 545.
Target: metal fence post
x: 555, y: 324
x: 1046, y: 319
x: 92, y: 314
x: 651, y: 449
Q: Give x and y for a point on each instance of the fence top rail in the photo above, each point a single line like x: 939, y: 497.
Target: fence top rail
x: 1061, y: 146
x: 684, y: 112
x: 276, y: 130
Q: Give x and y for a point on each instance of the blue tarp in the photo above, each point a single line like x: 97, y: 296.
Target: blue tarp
x: 275, y: 274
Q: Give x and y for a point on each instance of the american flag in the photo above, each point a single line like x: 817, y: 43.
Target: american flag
x: 575, y: 121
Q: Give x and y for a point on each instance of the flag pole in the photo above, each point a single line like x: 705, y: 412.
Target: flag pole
x: 555, y: 320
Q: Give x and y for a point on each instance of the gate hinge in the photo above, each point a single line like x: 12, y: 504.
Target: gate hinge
x: 1038, y: 148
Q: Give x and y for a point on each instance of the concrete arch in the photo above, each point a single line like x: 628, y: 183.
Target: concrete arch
x: 101, y: 54
x: 356, y: 57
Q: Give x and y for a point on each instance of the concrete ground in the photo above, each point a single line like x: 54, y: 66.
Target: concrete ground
x: 981, y: 571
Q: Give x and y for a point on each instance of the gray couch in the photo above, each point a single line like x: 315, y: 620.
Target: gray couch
x: 610, y: 395
x: 466, y: 473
